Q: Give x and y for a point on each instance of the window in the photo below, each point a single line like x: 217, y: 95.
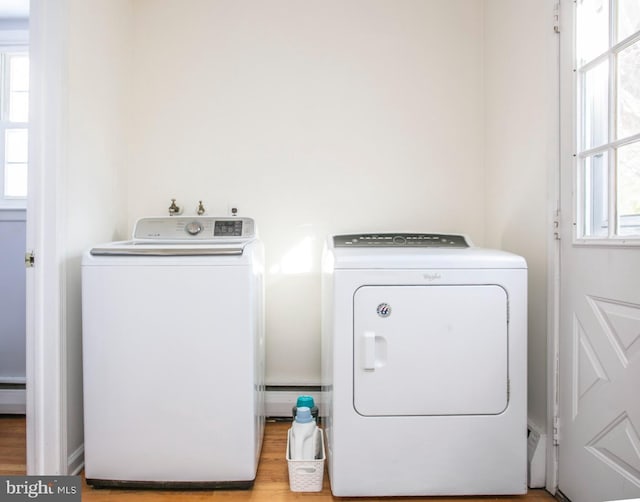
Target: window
x: 14, y: 116
x: 608, y: 121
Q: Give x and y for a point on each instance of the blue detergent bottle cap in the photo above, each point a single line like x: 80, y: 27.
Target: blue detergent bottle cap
x: 305, y: 401
x: 303, y: 415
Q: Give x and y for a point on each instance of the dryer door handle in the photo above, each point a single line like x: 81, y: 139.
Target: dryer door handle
x: 369, y: 351
x: 373, y: 351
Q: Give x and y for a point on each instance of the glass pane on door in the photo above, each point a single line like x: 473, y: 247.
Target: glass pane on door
x: 596, y: 195
x: 628, y: 184
x: 593, y: 29
x: 628, y: 18
x: 595, y: 106
x: 628, y: 91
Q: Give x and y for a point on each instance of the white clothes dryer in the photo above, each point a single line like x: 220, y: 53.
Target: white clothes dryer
x: 424, y: 366
x: 173, y: 355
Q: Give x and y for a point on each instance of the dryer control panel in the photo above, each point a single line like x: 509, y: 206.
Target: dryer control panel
x: 401, y: 240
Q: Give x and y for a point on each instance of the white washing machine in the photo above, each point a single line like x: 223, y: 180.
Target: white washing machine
x: 173, y: 355
x: 424, y: 366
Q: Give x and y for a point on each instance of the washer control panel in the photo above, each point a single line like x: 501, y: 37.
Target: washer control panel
x: 401, y: 240
x: 187, y: 228
x: 227, y: 228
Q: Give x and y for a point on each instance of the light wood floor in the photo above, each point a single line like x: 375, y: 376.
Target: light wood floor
x: 13, y: 445
x: 272, y: 481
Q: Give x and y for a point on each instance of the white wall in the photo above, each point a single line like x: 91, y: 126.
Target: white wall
x: 314, y: 118
x: 521, y: 155
x: 94, y: 204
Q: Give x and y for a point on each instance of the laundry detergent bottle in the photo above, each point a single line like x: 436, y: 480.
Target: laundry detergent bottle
x: 308, y: 402
x: 303, y: 435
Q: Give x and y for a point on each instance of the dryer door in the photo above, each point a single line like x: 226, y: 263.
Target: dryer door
x: 430, y: 350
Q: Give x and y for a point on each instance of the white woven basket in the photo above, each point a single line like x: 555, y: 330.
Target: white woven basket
x: 306, y: 475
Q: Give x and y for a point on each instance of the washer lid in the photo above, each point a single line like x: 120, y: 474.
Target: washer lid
x: 135, y: 248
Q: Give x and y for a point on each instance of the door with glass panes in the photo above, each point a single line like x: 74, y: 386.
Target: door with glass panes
x: 599, y: 340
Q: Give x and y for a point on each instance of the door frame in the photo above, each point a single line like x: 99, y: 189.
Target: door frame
x: 45, y: 345
x: 565, y: 26
x: 553, y: 340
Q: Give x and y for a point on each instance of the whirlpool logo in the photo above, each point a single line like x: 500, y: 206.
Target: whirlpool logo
x: 383, y: 310
x: 50, y: 488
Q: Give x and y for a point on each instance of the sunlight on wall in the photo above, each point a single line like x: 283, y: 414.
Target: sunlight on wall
x: 298, y: 260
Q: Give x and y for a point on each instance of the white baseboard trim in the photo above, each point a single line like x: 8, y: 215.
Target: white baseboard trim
x: 75, y: 461
x: 13, y: 401
x: 536, y: 457
x: 13, y: 214
x: 280, y: 400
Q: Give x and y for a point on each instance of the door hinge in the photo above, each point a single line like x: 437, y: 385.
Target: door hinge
x: 29, y: 259
x: 556, y: 18
x: 556, y: 431
x: 556, y: 225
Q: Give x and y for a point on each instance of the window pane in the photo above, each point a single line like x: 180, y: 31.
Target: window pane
x: 15, y: 180
x: 596, y: 196
x: 628, y: 18
x: 15, y: 79
x: 18, y: 88
x: 16, y: 146
x: 628, y: 159
x: 593, y: 29
x: 19, y: 73
x: 19, y: 106
x: 595, y: 106
x: 628, y: 120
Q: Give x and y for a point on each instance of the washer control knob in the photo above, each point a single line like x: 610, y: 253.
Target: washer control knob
x: 193, y: 228
x: 399, y: 239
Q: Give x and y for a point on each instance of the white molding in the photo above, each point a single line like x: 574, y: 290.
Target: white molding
x: 13, y: 380
x: 13, y: 401
x: 14, y: 32
x: 75, y: 461
x: 15, y: 24
x: 46, y: 386
x: 278, y: 403
x: 13, y: 214
x: 536, y: 456
x: 546, y: 452
x: 566, y: 137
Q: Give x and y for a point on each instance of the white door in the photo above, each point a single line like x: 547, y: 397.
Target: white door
x: 599, y: 339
